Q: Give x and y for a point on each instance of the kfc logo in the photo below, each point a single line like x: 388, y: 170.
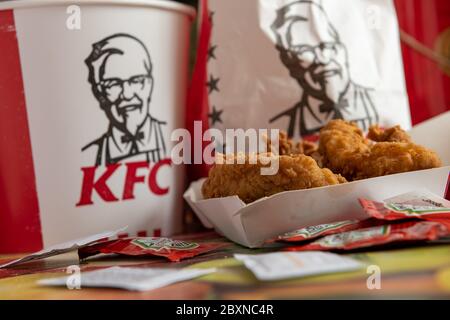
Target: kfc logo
x: 120, y: 74
x: 311, y: 49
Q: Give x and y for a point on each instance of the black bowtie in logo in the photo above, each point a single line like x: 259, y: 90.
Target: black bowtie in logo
x: 129, y: 138
x: 133, y: 140
x: 329, y: 107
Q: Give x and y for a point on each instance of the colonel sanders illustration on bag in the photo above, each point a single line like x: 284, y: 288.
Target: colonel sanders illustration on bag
x: 295, y: 65
x: 320, y: 66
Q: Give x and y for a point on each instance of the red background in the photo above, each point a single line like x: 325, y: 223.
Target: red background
x: 428, y: 86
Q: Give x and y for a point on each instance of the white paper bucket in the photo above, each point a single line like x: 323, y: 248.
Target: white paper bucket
x: 89, y: 94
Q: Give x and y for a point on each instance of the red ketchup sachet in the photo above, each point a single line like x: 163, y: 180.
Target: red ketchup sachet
x: 174, y: 250
x: 314, y: 232
x: 421, y: 205
x: 414, y: 216
x: 379, y: 235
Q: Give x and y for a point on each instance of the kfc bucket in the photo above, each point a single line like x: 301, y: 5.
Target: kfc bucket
x: 90, y: 92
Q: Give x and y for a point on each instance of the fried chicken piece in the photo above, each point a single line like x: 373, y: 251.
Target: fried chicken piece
x: 395, y: 157
x: 342, y: 146
x: 245, y: 180
x: 394, y: 134
x: 346, y: 151
x: 288, y: 147
x: 307, y: 147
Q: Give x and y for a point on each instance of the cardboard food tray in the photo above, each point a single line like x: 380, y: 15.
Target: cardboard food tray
x: 251, y: 224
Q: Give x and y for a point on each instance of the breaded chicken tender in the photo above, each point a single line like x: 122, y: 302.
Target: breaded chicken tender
x: 287, y: 147
x: 394, y: 134
x: 347, y: 152
x: 245, y: 180
x: 395, y: 157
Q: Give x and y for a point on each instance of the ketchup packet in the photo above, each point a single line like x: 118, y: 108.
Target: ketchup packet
x: 313, y: 232
x: 174, y: 250
x: 374, y: 236
x: 418, y: 204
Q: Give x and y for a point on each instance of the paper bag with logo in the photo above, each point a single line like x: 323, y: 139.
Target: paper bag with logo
x: 295, y: 65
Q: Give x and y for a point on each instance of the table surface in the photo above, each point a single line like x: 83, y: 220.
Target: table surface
x: 412, y: 272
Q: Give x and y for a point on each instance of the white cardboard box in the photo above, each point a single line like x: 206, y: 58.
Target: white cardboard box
x: 251, y: 224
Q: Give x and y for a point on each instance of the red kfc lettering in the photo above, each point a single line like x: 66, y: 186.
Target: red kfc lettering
x: 131, y: 178
x: 152, y: 183
x: 100, y: 186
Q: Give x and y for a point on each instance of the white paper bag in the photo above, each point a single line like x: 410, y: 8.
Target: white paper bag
x: 295, y: 65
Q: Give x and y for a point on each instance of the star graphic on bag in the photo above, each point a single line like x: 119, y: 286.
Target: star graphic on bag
x: 215, y: 116
x: 211, y: 52
x: 212, y: 84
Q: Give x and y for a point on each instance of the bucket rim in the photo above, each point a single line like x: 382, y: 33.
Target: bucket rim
x: 158, y: 4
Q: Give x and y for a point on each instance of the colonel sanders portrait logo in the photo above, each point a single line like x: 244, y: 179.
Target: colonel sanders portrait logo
x: 311, y: 49
x: 120, y: 75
